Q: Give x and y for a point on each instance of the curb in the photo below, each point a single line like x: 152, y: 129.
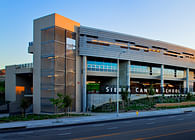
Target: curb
x: 24, y: 128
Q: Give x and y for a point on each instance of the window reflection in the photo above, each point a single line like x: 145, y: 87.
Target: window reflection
x: 156, y: 71
x: 169, y: 72
x: 101, y: 66
x: 70, y: 44
x: 180, y: 73
x: 138, y: 69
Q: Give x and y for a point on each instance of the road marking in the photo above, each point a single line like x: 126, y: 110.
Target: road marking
x: 132, y: 131
x: 164, y: 135
x: 111, y: 128
x: 63, y: 134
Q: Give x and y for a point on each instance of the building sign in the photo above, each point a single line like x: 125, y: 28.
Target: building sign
x: 138, y: 90
x: 97, y: 88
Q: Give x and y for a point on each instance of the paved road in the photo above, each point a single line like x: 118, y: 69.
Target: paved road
x: 176, y: 127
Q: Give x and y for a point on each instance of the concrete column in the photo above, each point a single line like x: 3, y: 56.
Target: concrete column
x: 162, y: 78
x: 78, y: 76
x: 187, y: 80
x: 123, y: 74
x: 84, y: 83
x: 10, y: 84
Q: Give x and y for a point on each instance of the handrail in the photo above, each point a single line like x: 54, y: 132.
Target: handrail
x: 26, y: 65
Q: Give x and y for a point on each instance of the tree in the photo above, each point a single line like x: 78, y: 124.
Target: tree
x: 62, y: 102
x: 151, y: 90
x: 24, y: 105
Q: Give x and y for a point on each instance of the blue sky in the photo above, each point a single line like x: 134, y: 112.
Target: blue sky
x: 167, y: 20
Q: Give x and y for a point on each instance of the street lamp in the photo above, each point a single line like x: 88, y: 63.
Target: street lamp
x: 117, y: 93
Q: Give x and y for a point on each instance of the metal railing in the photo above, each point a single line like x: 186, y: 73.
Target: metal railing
x: 26, y: 65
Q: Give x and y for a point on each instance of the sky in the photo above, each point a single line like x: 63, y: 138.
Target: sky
x: 172, y: 21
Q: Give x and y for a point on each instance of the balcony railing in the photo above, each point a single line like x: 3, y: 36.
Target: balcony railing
x: 140, y: 72
x: 26, y: 65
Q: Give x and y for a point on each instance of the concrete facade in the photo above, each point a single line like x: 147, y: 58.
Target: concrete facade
x: 19, y: 80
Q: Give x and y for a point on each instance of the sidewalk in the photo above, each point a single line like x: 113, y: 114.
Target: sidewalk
x: 95, y: 118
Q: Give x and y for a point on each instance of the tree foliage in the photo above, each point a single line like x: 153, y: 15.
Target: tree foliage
x: 151, y: 90
x: 189, y: 96
x: 62, y: 102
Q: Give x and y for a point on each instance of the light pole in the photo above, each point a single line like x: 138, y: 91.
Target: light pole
x: 117, y: 85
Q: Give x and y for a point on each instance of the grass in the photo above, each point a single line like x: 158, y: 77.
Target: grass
x: 37, y: 117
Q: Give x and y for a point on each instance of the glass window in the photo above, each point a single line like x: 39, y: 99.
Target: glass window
x: 156, y: 71
x: 138, y: 69
x: 70, y: 43
x: 169, y: 72
x: 180, y: 74
x: 98, y: 63
x: 101, y: 66
x: 90, y: 62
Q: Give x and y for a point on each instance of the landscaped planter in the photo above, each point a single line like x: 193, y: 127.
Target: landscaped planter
x: 175, y: 104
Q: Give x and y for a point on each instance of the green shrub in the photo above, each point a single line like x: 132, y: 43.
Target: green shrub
x: 189, y: 97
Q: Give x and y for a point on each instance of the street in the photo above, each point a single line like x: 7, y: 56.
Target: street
x: 177, y: 127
